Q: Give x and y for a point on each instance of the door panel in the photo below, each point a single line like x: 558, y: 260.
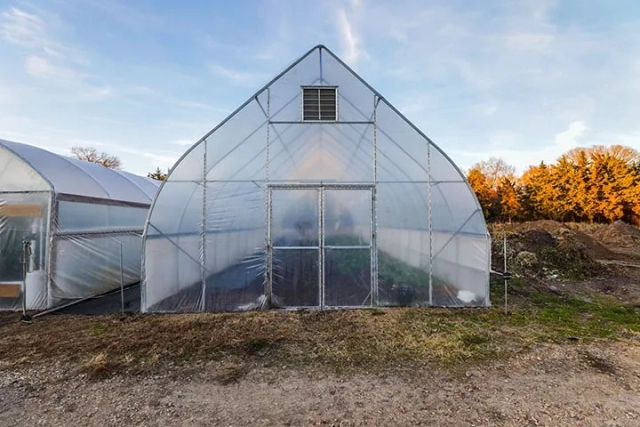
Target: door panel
x: 347, y: 277
x: 347, y: 217
x: 321, y: 246
x: 295, y: 279
x: 294, y: 218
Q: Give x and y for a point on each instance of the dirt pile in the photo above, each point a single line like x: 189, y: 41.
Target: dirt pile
x: 548, y: 250
x: 619, y: 234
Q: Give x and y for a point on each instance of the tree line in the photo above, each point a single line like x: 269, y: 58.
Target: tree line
x: 597, y: 184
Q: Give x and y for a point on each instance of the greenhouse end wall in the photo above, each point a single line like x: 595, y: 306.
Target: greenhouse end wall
x: 82, y: 242
x: 316, y: 193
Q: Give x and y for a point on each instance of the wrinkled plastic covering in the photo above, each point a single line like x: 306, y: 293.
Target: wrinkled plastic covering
x: 83, y: 223
x: 270, y: 211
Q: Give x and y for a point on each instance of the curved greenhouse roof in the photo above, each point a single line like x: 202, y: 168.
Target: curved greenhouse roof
x: 65, y: 175
x: 315, y: 193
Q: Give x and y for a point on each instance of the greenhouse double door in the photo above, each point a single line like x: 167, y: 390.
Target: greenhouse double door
x: 322, y: 251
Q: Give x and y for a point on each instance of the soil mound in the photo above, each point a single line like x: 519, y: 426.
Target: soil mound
x: 549, y: 250
x: 619, y: 234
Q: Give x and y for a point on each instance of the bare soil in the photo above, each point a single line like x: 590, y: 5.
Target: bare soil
x: 549, y: 386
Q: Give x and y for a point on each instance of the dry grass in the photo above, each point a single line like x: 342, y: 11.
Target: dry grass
x: 372, y: 340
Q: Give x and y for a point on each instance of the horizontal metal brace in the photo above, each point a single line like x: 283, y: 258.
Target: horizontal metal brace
x: 98, y: 232
x: 26, y: 192
x: 320, y: 122
x: 331, y: 186
x: 291, y: 248
x: 347, y: 247
x: 284, y: 182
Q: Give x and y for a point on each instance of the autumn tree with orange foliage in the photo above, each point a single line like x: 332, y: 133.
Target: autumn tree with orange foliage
x: 496, y: 188
x: 595, y: 184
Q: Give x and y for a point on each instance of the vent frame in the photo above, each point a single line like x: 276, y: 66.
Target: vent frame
x: 319, y: 118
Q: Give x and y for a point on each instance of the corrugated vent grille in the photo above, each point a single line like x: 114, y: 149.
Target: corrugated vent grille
x: 319, y: 104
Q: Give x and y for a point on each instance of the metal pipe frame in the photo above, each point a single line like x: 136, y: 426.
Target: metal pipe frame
x: 321, y: 253
x: 203, y: 238
x: 87, y: 233
x: 321, y: 122
x: 268, y: 271
x: 25, y: 192
x: 374, y: 208
x: 430, y: 226
x: 330, y: 186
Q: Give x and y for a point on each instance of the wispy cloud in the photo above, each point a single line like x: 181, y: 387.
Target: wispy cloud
x: 529, y: 41
x: 35, y: 32
x: 184, y: 142
x: 351, y: 41
x: 236, y: 76
x: 24, y: 29
x: 38, y: 66
x: 47, y: 56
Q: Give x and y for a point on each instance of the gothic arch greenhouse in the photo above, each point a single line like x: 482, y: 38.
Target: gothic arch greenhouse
x: 315, y: 193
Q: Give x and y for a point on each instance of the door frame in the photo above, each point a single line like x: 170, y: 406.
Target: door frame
x: 320, y: 188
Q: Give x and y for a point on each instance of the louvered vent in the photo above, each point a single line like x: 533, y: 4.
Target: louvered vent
x: 319, y: 104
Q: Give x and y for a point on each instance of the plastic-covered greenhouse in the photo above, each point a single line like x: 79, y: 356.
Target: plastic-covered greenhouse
x: 77, y: 224
x: 316, y: 193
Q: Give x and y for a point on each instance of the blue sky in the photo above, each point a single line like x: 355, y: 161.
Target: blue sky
x: 144, y: 79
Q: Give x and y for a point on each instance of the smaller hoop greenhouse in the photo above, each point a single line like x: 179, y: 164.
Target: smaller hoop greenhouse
x: 78, y: 226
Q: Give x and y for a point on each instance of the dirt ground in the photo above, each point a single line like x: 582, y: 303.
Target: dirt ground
x: 550, y: 386
x: 544, y: 365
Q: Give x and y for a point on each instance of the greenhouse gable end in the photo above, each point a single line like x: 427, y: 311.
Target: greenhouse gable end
x: 315, y: 193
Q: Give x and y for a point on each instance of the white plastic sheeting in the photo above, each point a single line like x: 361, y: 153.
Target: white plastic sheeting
x: 267, y: 210
x: 83, y: 223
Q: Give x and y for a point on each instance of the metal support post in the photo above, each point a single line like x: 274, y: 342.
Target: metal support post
x: 121, y: 278
x: 203, y: 238
x: 506, y: 278
x: 268, y: 271
x: 321, y: 249
x: 25, y: 259
x: 430, y: 224
x: 374, y: 209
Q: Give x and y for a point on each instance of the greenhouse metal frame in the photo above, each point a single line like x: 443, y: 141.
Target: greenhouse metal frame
x: 252, y: 215
x: 76, y: 226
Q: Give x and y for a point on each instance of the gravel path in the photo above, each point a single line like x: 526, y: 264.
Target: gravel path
x: 550, y: 386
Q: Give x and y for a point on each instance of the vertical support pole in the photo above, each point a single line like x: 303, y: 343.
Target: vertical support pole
x: 504, y: 250
x: 321, y: 249
x: 121, y: 279
x: 203, y: 237
x: 268, y: 271
x: 430, y: 223
x: 52, y: 215
x: 320, y: 65
x: 374, y: 209
x: 25, y: 258
x: 268, y: 196
x: 26, y: 249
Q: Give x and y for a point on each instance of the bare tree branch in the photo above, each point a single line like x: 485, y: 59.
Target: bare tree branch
x: 90, y: 154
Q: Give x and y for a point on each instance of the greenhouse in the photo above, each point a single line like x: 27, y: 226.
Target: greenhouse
x: 316, y: 193
x: 69, y: 229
